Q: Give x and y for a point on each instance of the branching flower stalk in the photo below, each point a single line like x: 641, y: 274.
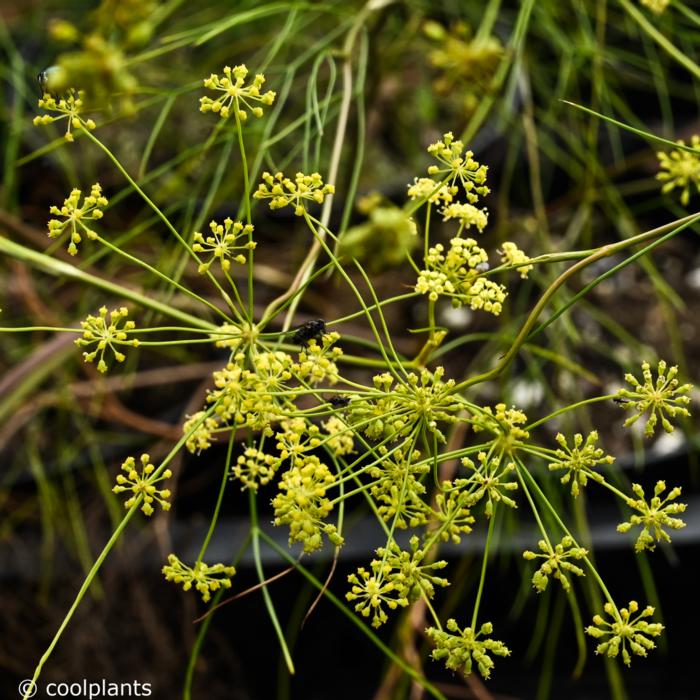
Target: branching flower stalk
x: 310, y: 431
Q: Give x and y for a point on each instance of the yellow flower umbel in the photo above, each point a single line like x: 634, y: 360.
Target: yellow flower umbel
x: 662, y: 399
x: 512, y: 255
x: 457, y: 274
x: 555, y: 563
x: 625, y: 632
x: 143, y: 484
x: 254, y: 468
x: 106, y: 334
x: 281, y: 191
x: 75, y: 215
x: 579, y: 460
x: 201, y: 436
x: 654, y: 516
x: 373, y: 591
x: 462, y: 648
x: 69, y: 108
x: 205, y: 578
x: 222, y: 244
x: 681, y: 169
x: 236, y: 95
x: 426, y: 188
x: 458, y: 164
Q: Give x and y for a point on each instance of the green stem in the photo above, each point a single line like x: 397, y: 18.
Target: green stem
x: 219, y: 500
x: 81, y: 594
x: 155, y: 208
x: 248, y: 216
x: 159, y: 274
x: 65, y: 270
x: 257, y: 534
x: 600, y: 253
x: 660, y: 39
x: 482, y: 578
x: 355, y: 621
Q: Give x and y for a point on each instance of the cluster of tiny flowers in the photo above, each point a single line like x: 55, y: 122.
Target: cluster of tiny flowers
x: 302, y: 503
x: 244, y: 397
x: 656, y: 6
x: 396, y: 578
x: 456, y: 164
x: 373, y: 593
x: 654, y: 516
x: 680, y: 168
x: 491, y: 481
x: 69, y: 108
x: 456, y: 274
x: 222, y: 245
x: 317, y: 362
x: 425, y: 188
x: 143, y: 484
x: 75, y: 215
x: 236, y: 95
x: 282, y: 191
x: 397, y: 488
x: 254, y: 468
x: 200, y: 431
x: 467, y: 214
x: 412, y: 578
x: 579, y: 462
x: 626, y: 632
x: 555, y: 562
x: 661, y: 398
x: 420, y: 399
x: 462, y: 648
x: 505, y: 424
x: 106, y: 334
x: 512, y: 255
x: 452, y: 513
x: 340, y: 442
x: 206, y: 579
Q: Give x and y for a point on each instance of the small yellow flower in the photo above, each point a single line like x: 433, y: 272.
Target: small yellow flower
x: 426, y: 188
x: 254, y: 468
x: 75, y: 216
x: 462, y: 648
x: 555, y: 563
x: 200, y: 437
x: 467, y: 214
x: 204, y: 577
x: 143, y: 484
x: 69, y: 108
x: 281, y: 191
x: 222, y: 244
x: 512, y: 255
x: 680, y: 168
x: 625, y: 632
x: 662, y: 399
x: 236, y: 94
x: 106, y: 334
x: 654, y: 516
x: 456, y: 164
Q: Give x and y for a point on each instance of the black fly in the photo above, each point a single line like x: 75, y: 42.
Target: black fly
x: 310, y: 330
x: 619, y: 401
x: 338, y: 401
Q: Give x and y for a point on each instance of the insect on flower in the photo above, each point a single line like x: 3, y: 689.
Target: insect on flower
x: 48, y: 78
x: 338, y: 401
x: 309, y: 331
